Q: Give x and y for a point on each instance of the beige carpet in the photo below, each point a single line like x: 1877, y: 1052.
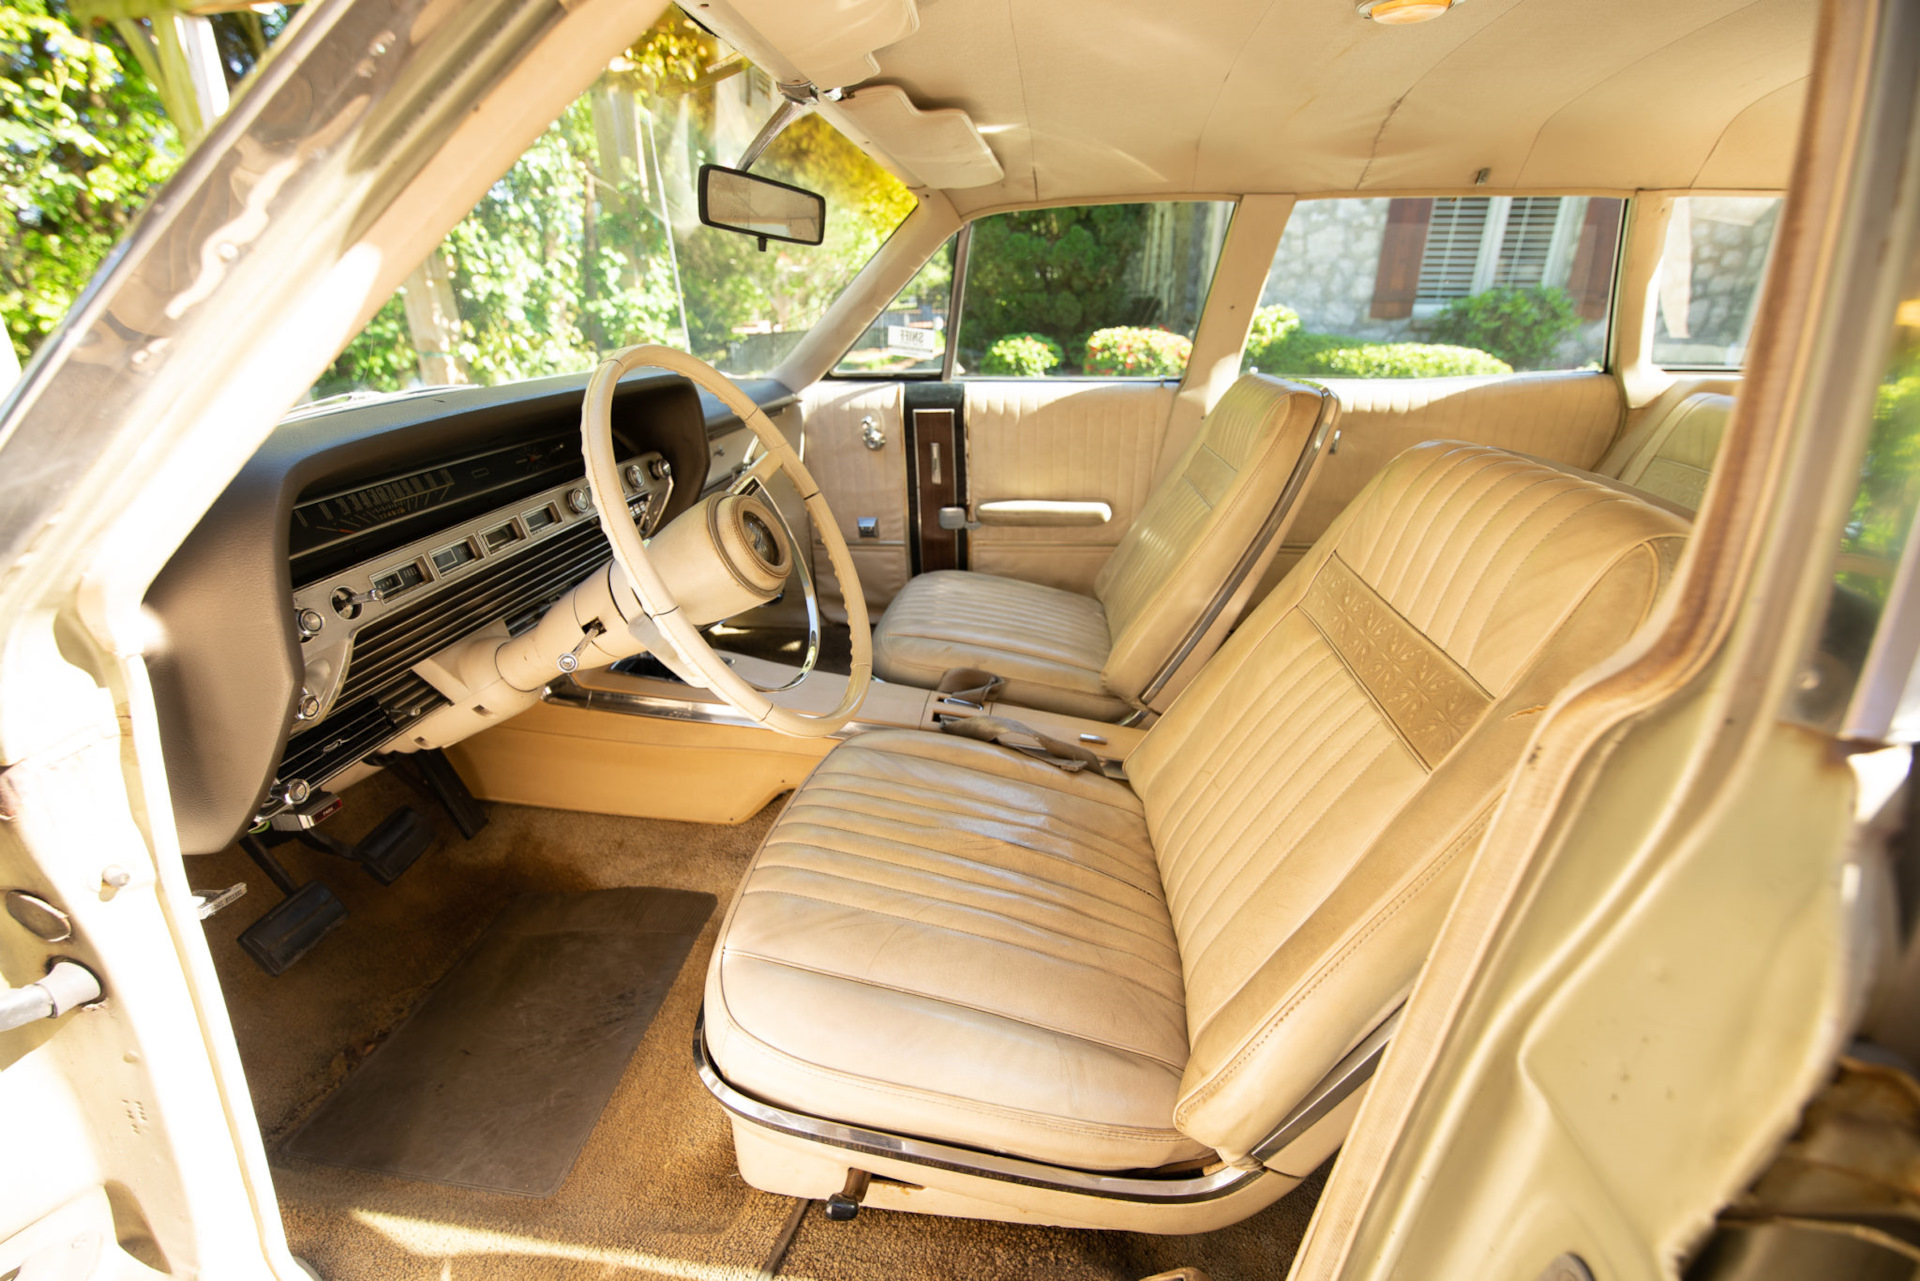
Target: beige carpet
x: 654, y: 1192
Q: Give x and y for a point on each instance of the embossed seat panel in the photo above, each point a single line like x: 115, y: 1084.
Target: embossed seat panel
x: 1092, y: 656
x: 931, y: 913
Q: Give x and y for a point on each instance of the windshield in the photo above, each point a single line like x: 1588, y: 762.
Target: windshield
x: 592, y: 241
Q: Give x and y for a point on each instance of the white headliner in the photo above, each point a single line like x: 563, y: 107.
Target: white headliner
x: 1090, y: 98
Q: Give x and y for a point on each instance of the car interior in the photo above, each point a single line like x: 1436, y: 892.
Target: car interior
x: 1009, y: 809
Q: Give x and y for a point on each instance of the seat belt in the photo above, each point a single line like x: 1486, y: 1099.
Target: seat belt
x: 1062, y: 755
x: 970, y: 685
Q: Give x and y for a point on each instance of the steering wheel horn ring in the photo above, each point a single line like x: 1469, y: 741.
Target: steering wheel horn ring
x: 656, y: 597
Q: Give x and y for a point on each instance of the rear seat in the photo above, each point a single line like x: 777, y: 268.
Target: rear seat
x: 1669, y: 447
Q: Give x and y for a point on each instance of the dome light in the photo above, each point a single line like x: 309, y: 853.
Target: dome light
x: 1403, y: 13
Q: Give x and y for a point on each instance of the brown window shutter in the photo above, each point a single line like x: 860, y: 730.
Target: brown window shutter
x: 1401, y: 249
x: 1590, y: 280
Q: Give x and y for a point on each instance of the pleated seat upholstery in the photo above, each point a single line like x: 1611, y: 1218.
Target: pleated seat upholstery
x: 1670, y: 453
x: 1046, y: 644
x: 946, y: 939
x: 1094, y: 655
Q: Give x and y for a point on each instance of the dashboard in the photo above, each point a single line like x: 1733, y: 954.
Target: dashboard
x: 360, y: 541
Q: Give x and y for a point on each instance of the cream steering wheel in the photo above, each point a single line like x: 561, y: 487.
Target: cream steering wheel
x: 657, y: 599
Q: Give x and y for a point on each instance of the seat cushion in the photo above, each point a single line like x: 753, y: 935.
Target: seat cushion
x: 944, y: 938
x: 1048, y: 645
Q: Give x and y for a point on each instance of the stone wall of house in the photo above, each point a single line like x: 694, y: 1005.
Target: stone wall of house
x: 1325, y: 266
x: 1731, y: 237
x: 1326, y: 263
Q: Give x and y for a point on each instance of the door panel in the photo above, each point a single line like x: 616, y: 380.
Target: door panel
x: 1068, y: 441
x: 1567, y: 417
x: 860, y: 481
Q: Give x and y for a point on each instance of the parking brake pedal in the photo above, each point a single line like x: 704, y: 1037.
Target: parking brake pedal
x: 291, y: 927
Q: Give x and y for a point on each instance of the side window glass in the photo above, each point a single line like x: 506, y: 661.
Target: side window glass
x: 1091, y: 291
x: 1382, y: 288
x: 910, y: 337
x: 1709, y: 280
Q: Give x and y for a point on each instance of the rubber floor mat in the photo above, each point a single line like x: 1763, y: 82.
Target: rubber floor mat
x: 500, y: 1075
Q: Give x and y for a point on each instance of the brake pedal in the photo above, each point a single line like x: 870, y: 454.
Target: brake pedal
x: 396, y: 845
x: 432, y: 775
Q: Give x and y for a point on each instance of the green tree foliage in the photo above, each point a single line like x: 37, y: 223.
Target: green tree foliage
x: 82, y: 142
x: 1883, y: 509
x: 1277, y: 345
x: 1126, y: 351
x: 1521, y: 326
x: 582, y: 248
x: 1062, y: 272
x: 84, y: 139
x: 1022, y: 356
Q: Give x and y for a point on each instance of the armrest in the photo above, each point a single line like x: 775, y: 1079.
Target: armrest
x: 1041, y: 511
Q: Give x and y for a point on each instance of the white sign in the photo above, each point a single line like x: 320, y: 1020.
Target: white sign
x: 920, y: 342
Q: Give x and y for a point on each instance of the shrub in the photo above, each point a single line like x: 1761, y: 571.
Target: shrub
x: 1272, y: 327
x: 1022, y: 356
x: 1296, y: 354
x: 1350, y: 358
x: 1141, y: 353
x: 1521, y: 326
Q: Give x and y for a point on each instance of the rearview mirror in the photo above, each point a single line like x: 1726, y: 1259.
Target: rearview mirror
x: 734, y: 200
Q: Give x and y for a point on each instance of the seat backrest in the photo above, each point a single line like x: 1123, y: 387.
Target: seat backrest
x: 1316, y: 794
x: 1670, y: 449
x: 1219, y: 501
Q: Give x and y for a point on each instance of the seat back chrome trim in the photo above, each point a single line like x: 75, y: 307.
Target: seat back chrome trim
x: 1269, y: 529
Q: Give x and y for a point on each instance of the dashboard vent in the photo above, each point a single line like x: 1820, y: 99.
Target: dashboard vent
x: 354, y: 730
x: 385, y: 650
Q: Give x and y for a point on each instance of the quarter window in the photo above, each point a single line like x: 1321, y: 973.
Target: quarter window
x: 1708, y: 286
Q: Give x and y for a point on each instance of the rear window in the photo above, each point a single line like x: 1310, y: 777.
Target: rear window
x: 1431, y: 287
x: 1709, y: 281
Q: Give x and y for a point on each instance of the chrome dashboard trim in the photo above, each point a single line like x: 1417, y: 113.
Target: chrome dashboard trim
x: 566, y: 692
x: 327, y: 651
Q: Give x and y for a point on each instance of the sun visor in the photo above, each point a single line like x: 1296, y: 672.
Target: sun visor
x: 941, y: 148
x: 829, y: 44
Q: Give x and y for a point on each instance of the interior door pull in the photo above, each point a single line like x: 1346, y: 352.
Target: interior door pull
x: 872, y: 434
x: 934, y: 450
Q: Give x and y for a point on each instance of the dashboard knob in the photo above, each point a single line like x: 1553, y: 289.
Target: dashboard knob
x: 580, y: 500
x: 636, y: 479
x: 310, y: 623
x: 660, y: 469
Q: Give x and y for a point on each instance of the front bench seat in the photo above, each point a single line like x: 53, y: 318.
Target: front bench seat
x: 945, y: 939
x: 1202, y: 533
